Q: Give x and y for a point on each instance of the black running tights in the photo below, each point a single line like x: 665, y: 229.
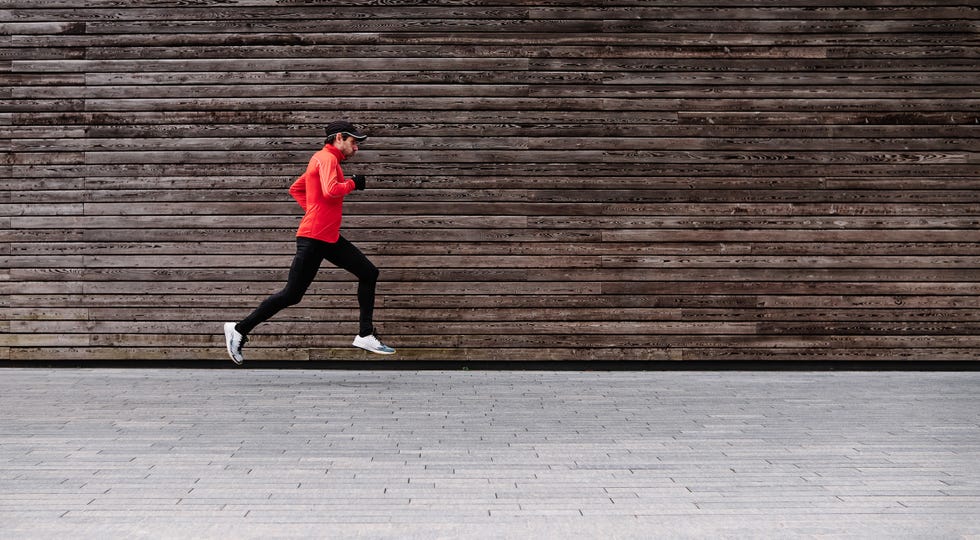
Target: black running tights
x: 309, y: 254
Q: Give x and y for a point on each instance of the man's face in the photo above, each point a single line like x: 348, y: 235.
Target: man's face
x: 347, y: 146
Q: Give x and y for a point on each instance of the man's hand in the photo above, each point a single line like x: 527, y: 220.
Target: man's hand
x: 359, y: 181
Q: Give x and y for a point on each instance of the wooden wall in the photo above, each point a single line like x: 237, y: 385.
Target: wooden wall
x: 549, y: 179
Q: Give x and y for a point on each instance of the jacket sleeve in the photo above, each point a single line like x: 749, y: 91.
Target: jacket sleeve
x: 298, y: 191
x: 333, y: 184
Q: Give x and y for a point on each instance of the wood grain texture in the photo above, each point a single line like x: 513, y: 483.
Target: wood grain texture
x: 549, y: 181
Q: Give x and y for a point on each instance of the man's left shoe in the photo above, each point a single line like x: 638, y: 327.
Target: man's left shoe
x: 234, y: 342
x: 373, y: 344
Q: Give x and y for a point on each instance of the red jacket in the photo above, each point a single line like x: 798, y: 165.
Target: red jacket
x: 320, y: 191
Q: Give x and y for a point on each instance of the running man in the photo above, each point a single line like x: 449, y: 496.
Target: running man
x: 320, y: 191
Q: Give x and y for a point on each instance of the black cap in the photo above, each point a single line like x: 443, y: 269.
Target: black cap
x: 344, y: 127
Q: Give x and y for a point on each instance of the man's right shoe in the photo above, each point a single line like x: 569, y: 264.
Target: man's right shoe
x: 234, y: 341
x: 373, y: 344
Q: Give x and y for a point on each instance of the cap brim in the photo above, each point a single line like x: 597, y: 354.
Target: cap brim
x: 356, y: 136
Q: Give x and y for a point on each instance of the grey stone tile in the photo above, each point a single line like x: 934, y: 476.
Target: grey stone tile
x: 857, y: 454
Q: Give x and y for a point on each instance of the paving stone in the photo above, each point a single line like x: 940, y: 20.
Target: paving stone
x: 96, y: 453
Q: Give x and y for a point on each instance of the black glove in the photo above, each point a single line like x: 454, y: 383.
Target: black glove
x: 359, y: 180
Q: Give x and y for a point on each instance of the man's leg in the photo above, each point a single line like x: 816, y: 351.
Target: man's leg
x: 345, y: 255
x: 306, y: 263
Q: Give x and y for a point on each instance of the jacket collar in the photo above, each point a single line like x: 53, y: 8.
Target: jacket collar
x: 335, y: 151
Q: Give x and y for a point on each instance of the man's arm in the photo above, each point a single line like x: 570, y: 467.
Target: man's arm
x: 298, y: 190
x: 333, y: 183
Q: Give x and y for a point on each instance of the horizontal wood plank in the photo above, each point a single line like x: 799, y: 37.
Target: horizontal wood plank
x: 548, y: 180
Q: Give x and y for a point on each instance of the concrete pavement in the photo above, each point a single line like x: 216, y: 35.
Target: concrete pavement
x: 208, y: 453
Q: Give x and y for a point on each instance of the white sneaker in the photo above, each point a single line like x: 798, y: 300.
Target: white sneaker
x: 234, y: 341
x: 372, y: 344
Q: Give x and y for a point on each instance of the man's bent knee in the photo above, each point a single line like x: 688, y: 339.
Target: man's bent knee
x: 291, y: 298
x: 369, y: 275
